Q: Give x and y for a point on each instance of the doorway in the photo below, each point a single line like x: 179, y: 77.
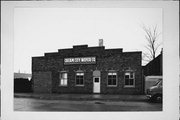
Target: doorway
x: 96, y: 84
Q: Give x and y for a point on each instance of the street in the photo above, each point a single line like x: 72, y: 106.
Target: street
x: 31, y: 104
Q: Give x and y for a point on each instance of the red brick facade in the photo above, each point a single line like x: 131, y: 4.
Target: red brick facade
x: 107, y: 61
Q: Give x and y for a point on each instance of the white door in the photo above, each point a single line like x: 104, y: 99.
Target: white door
x: 96, y: 87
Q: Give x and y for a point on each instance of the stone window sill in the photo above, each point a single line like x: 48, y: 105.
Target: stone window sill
x: 79, y: 85
x: 111, y: 85
x: 129, y: 86
x: 63, y: 85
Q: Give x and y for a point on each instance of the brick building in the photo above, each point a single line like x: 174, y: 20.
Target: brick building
x: 84, y: 69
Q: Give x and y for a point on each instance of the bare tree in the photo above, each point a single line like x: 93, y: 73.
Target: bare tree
x: 151, y: 35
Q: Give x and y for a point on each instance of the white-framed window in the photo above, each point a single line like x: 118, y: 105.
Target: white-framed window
x: 80, y: 79
x: 112, y: 79
x: 129, y: 79
x: 63, y: 78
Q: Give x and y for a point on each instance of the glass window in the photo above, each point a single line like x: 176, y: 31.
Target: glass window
x: 160, y: 83
x: 129, y: 79
x: 79, y: 78
x: 112, y: 79
x: 96, y: 79
x: 63, y: 79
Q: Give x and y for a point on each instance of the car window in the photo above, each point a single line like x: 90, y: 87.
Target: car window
x: 158, y: 82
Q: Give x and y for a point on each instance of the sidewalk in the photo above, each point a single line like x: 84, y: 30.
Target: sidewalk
x: 82, y: 97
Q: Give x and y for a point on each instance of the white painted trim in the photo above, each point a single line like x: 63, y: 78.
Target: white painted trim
x: 99, y: 84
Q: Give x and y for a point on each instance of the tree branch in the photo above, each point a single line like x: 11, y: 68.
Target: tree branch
x: 151, y: 35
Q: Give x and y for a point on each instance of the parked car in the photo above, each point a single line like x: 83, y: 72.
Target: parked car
x: 154, y: 93
x: 151, y: 81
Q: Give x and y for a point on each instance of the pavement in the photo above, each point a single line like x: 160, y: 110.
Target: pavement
x: 32, y: 104
x: 79, y: 97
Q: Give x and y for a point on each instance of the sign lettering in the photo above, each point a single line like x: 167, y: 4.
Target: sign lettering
x: 80, y: 60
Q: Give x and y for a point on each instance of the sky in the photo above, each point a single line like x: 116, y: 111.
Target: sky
x: 41, y: 30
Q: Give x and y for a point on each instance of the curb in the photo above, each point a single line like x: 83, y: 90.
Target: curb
x: 80, y: 98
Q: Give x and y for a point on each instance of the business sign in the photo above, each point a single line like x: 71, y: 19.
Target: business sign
x: 80, y: 60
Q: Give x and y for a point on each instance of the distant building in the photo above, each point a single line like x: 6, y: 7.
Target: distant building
x: 154, y: 67
x: 22, y: 82
x: 153, y: 71
x: 22, y: 75
x: 84, y: 69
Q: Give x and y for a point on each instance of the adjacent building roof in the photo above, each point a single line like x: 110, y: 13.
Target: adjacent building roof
x: 154, y: 67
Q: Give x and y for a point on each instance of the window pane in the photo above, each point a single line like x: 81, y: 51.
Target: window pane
x: 61, y: 82
x: 77, y: 81
x: 114, y: 73
x: 109, y: 77
x: 126, y: 76
x: 96, y: 80
x: 114, y: 82
x: 109, y: 82
x: 64, y: 75
x: 65, y: 82
x: 131, y: 75
x: 126, y: 81
x: 110, y: 74
x: 81, y: 81
x: 80, y: 74
x: 131, y: 81
x: 127, y: 73
x: 114, y: 76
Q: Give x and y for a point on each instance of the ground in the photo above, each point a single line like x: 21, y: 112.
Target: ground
x: 33, y: 104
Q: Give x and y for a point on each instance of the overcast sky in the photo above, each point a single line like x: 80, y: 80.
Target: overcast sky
x: 41, y: 30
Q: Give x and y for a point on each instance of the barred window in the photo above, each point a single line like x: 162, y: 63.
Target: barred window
x: 79, y: 78
x: 63, y: 79
x: 112, y: 81
x: 129, y: 79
